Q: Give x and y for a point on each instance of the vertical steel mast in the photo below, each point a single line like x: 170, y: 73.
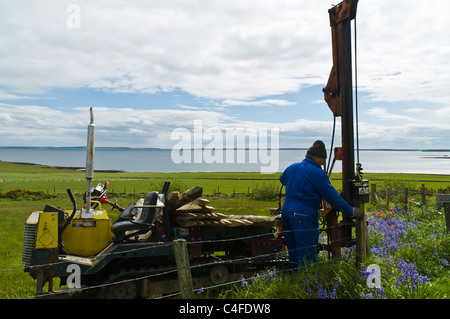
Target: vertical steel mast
x: 338, y: 94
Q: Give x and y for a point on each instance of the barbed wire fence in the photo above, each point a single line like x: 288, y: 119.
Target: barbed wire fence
x: 422, y: 191
x: 173, y: 270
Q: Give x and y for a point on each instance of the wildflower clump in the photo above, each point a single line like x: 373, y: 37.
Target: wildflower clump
x: 389, y: 234
x: 408, y: 275
x: 261, y: 284
x: 408, y: 248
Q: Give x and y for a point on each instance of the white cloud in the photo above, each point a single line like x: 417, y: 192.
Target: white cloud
x: 403, y: 50
x: 5, y: 96
x: 266, y: 102
x: 416, y: 110
x: 43, y: 126
x: 232, y: 52
x: 221, y: 49
x: 382, y: 114
x: 215, y: 49
x: 189, y: 107
x: 419, y: 129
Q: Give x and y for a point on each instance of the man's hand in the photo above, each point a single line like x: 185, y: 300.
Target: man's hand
x: 358, y: 213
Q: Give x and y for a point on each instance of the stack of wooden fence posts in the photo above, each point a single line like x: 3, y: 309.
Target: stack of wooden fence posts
x: 189, y: 209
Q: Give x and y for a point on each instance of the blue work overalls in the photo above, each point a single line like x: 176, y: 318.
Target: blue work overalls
x: 306, y: 185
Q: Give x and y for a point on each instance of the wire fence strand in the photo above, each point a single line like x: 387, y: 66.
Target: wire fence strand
x: 216, y: 261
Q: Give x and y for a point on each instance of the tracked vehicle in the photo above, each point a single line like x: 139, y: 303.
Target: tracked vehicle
x: 134, y: 255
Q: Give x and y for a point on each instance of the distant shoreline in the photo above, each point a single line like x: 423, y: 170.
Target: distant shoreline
x: 115, y: 159
x: 122, y: 171
x: 120, y: 148
x: 76, y: 168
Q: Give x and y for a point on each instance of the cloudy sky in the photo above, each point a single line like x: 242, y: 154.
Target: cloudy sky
x: 149, y: 67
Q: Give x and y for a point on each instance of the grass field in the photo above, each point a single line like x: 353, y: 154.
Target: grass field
x: 228, y: 193
x: 52, y: 180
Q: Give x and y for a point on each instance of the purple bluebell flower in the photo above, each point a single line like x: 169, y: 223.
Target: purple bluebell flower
x: 367, y: 296
x: 409, y: 275
x: 272, y: 274
x: 322, y: 291
x: 244, y: 283
x: 380, y: 292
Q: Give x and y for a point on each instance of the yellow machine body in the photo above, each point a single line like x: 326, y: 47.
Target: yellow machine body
x: 87, y: 236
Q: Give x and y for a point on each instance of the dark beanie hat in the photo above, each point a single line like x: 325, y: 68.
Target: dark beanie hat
x: 317, y: 150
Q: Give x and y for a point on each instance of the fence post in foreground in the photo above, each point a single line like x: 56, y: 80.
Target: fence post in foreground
x: 406, y: 199
x: 361, y: 239
x: 373, y: 193
x: 447, y: 217
x: 444, y: 200
x: 439, y: 204
x: 388, y: 196
x: 423, y: 196
x: 184, y: 268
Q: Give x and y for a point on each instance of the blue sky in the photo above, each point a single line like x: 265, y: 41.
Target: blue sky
x: 150, y: 67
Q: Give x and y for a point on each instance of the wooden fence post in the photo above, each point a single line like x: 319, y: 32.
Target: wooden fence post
x: 361, y: 239
x: 388, y: 195
x: 423, y: 196
x: 444, y: 199
x: 373, y: 192
x: 406, y: 198
x: 184, y: 268
x: 439, y: 204
x: 368, y: 253
x: 447, y: 216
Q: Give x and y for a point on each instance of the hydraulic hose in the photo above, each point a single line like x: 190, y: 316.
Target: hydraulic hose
x: 72, y: 199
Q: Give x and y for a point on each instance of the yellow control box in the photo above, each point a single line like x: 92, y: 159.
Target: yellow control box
x: 47, y: 231
x: 88, y: 236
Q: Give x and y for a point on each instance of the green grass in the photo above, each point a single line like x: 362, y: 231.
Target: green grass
x: 14, y: 283
x: 230, y: 193
x: 52, y: 180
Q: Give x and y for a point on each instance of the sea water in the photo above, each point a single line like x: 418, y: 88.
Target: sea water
x: 160, y: 160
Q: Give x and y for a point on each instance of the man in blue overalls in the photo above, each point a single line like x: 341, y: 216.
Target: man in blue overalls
x: 306, y: 185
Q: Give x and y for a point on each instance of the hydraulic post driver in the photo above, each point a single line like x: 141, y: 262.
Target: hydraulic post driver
x: 338, y: 94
